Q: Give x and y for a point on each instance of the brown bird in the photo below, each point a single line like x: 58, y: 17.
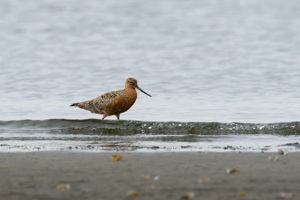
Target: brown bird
x: 114, y: 102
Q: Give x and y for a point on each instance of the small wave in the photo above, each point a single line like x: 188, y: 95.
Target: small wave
x: 127, y: 127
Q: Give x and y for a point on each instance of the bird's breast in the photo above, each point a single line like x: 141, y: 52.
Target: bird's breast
x: 122, y: 102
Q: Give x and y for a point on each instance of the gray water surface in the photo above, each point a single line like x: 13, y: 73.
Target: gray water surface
x: 200, y: 60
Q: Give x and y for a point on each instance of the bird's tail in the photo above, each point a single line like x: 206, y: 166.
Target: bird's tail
x: 74, y: 104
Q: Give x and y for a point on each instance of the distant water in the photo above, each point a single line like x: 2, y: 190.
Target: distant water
x: 202, y: 61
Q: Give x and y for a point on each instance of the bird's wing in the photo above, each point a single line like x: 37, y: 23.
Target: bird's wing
x: 99, y: 104
x: 108, y: 97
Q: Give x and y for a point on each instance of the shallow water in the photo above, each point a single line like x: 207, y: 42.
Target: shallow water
x: 202, y: 61
x: 140, y: 136
x: 152, y: 143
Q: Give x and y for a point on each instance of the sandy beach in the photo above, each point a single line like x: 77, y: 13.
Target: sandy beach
x: 72, y: 175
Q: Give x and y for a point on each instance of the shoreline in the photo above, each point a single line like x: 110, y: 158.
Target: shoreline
x: 171, y: 175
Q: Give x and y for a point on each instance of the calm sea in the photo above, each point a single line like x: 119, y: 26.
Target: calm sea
x: 201, y: 60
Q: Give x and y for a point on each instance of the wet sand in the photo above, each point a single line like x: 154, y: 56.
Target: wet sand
x: 69, y: 175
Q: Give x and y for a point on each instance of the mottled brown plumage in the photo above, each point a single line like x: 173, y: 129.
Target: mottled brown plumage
x: 114, y: 102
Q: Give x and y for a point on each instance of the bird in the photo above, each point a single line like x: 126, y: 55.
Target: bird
x: 114, y: 102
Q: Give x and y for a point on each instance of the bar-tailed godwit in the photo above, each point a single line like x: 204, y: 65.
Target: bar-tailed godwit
x: 114, y: 102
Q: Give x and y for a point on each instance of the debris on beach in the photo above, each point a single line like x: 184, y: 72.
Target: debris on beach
x: 117, y: 157
x: 273, y: 158
x: 232, y: 171
x: 132, y: 193
x: 286, y: 195
x: 145, y: 177
x: 188, y: 196
x: 63, y: 186
x: 241, y: 193
x: 204, y: 180
x: 280, y: 152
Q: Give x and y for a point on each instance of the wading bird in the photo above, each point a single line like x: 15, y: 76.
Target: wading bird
x: 114, y: 102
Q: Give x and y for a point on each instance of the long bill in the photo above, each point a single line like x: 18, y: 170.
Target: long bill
x: 137, y: 87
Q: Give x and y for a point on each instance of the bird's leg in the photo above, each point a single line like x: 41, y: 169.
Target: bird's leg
x: 104, y: 115
x: 118, y: 116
